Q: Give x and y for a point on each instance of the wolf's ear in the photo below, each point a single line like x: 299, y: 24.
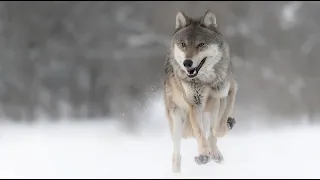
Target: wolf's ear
x: 181, y: 20
x: 209, y: 19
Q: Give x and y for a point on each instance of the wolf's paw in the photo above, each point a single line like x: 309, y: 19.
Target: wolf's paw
x: 176, y: 168
x: 231, y: 122
x: 202, y: 159
x: 217, y: 157
x: 176, y: 163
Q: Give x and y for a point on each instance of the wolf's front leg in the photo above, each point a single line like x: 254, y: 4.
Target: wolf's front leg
x: 215, y: 153
x: 177, y: 123
x: 217, y: 109
x: 196, y: 115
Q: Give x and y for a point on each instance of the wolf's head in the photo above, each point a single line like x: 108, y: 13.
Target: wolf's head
x: 197, y: 45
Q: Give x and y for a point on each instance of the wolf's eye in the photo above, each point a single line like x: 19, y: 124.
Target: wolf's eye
x: 183, y: 44
x: 200, y: 45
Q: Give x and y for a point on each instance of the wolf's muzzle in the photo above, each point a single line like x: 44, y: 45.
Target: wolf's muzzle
x: 193, y: 72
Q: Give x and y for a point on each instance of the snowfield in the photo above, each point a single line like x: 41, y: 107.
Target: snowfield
x: 97, y: 150
x: 101, y: 150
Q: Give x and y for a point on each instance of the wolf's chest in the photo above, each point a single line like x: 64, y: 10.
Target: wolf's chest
x: 195, y: 93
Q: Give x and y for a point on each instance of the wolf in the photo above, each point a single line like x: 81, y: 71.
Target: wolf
x: 199, y: 87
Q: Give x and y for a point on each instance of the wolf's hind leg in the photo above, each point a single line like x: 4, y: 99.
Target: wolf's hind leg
x: 227, y: 118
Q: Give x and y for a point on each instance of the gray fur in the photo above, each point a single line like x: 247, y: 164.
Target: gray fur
x: 195, y: 31
x: 210, y: 88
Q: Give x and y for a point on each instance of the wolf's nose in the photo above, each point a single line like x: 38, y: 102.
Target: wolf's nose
x: 187, y: 63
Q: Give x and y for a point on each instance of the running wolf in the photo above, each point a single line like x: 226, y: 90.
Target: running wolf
x: 199, y: 87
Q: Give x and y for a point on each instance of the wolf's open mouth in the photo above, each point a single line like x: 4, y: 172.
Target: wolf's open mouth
x: 194, y: 71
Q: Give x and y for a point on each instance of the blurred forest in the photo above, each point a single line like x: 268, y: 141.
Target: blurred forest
x: 88, y: 60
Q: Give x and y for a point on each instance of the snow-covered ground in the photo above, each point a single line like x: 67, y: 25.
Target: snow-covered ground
x: 102, y: 150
